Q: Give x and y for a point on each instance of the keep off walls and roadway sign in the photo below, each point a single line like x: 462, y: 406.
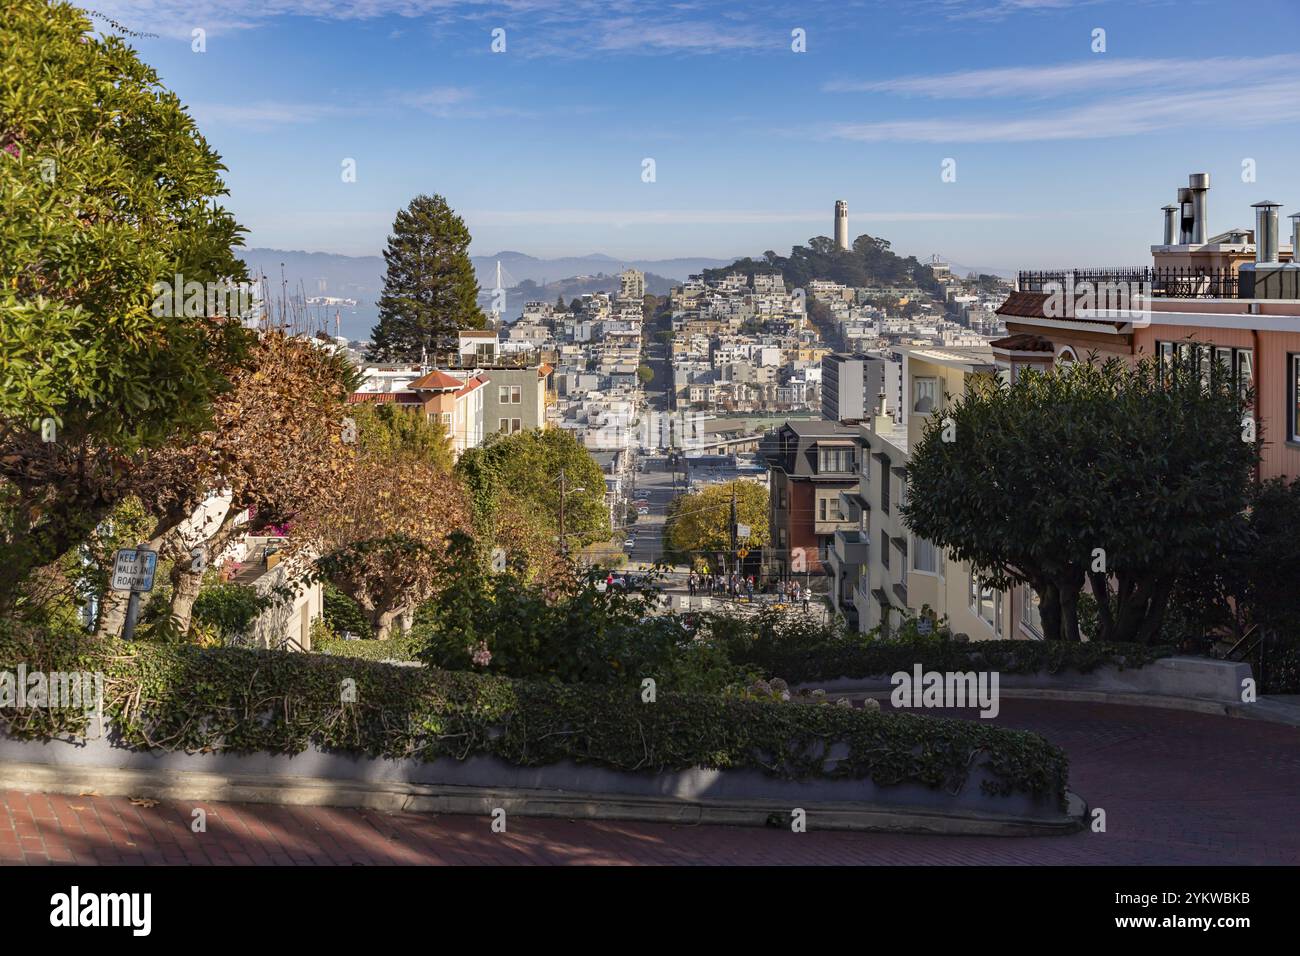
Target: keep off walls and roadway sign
x: 133, y: 571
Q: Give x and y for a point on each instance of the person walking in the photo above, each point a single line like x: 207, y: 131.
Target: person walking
x: 690, y: 584
x: 795, y: 592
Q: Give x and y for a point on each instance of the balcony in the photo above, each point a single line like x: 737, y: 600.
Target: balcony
x: 851, y: 547
x: 1186, y: 282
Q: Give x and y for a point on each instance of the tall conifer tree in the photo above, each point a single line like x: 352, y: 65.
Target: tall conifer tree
x: 430, y: 290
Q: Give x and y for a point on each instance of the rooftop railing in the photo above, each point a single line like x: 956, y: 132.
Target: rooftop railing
x: 1168, y: 282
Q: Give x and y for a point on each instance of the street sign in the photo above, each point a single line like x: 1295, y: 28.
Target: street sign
x: 742, y: 531
x: 924, y: 625
x: 742, y: 553
x: 133, y: 569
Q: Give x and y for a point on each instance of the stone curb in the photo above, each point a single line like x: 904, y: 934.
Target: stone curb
x: 1266, y: 710
x: 196, y: 787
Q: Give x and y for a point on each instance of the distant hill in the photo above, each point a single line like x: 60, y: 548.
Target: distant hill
x: 868, y: 262
x: 523, y: 267
x: 362, y: 278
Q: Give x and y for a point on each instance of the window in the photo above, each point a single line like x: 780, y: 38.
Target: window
x: 516, y: 394
x: 1223, y: 371
x: 508, y: 426
x: 828, y: 509
x: 884, y: 548
x: 925, y: 557
x: 924, y: 395
x: 884, y: 485
x: 1245, y: 370
x: 446, y: 418
x: 503, y: 394
x: 837, y: 460
x: 986, y: 603
x: 1210, y: 361
x: 1031, y: 617
x: 1165, y: 355
x: 1295, y: 396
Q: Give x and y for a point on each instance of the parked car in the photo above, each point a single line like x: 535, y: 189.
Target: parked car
x: 629, y: 542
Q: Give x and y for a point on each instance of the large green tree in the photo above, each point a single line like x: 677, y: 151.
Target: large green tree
x: 430, y: 290
x: 107, y: 187
x: 1253, y: 581
x: 1120, y: 475
x: 699, y: 523
x: 514, y: 486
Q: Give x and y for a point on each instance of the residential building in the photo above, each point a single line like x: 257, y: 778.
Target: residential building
x: 878, y: 567
x: 1225, y: 302
x: 810, y: 463
x: 851, y: 386
x: 515, y: 399
x: 440, y: 396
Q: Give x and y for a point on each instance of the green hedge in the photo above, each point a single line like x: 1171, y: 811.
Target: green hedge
x: 193, y: 699
x: 399, y: 647
x: 849, y: 658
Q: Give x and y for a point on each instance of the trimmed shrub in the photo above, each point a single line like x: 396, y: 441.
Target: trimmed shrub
x: 399, y: 647
x: 185, y: 698
x: 802, y: 651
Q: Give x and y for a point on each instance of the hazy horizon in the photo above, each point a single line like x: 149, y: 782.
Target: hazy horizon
x: 1063, y: 151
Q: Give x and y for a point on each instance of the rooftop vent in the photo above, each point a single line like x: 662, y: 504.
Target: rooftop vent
x: 1266, y: 277
x: 1187, y: 222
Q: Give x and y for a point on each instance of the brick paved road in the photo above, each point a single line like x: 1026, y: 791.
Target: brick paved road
x: 1177, y: 788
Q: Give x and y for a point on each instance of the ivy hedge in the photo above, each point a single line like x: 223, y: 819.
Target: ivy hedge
x: 195, y: 699
x: 881, y: 658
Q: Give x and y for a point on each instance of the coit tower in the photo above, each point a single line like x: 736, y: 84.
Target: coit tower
x: 841, y: 224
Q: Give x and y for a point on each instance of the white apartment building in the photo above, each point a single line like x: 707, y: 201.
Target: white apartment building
x: 880, y: 567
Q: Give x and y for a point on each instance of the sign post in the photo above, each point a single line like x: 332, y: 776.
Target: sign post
x: 133, y: 571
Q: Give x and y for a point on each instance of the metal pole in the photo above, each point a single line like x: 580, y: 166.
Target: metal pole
x: 564, y: 544
x: 132, y: 614
x: 735, y: 558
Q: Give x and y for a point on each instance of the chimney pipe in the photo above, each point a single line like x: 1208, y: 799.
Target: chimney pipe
x: 1171, y: 224
x: 1199, y: 184
x: 1185, y: 216
x: 1295, y: 237
x: 1266, y: 230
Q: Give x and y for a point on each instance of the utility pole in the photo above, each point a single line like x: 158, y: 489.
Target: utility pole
x: 564, y: 543
x: 735, y: 561
x: 564, y: 493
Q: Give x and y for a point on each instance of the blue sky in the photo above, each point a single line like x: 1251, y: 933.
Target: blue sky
x: 1063, y: 155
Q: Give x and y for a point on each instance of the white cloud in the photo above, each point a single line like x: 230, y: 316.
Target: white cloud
x: 262, y: 114
x: 1085, y: 75
x: 1259, y: 105
x: 1001, y: 9
x: 572, y: 28
x: 1078, y: 77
